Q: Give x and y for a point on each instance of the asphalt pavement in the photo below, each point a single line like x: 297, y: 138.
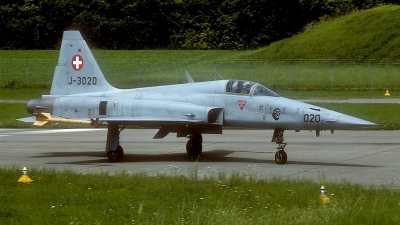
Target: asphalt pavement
x: 368, y: 158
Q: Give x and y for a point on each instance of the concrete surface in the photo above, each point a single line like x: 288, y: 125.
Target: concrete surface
x: 370, y: 158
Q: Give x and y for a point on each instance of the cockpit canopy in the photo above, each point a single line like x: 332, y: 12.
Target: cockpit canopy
x: 248, y: 88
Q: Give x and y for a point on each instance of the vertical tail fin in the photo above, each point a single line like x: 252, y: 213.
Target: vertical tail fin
x: 77, y: 71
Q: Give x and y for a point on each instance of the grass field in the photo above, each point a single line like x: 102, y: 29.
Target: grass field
x: 168, y: 198
x: 12, y: 111
x: 129, y: 69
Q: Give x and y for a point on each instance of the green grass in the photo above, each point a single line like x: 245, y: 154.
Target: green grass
x: 71, y: 198
x: 370, y: 34
x: 132, y: 72
x: 338, y: 94
x: 12, y: 111
x: 22, y: 94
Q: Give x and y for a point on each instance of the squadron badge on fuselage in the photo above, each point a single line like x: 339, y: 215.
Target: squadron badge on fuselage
x: 276, y: 113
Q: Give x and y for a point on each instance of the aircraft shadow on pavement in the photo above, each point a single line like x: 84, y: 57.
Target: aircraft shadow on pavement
x: 216, y: 155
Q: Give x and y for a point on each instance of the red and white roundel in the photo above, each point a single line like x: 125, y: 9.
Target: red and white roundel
x: 77, y: 62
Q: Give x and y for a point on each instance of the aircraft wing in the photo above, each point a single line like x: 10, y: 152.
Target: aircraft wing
x: 165, y: 123
x: 39, y: 119
x: 121, y: 120
x: 148, y: 120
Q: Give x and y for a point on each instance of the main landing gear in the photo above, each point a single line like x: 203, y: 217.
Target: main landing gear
x: 280, y: 155
x: 116, y: 155
x: 115, y: 152
x: 194, y: 145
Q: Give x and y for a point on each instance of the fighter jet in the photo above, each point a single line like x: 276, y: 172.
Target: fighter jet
x: 81, y: 94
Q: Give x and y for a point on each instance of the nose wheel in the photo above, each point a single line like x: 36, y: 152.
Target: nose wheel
x: 280, y: 155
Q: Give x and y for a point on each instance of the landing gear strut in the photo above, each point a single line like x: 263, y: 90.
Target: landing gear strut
x: 194, y: 145
x: 280, y: 155
x: 115, y: 152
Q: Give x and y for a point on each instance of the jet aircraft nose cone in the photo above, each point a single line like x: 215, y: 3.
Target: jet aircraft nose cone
x: 347, y: 121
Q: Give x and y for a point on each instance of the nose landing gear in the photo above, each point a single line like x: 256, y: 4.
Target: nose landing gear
x: 280, y: 155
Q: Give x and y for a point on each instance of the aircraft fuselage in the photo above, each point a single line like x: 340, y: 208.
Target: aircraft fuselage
x: 193, y: 101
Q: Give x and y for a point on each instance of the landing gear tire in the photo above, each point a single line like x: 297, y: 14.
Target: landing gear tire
x: 280, y: 157
x: 116, y: 155
x: 194, y: 145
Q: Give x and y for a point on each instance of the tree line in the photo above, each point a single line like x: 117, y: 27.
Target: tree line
x: 165, y: 24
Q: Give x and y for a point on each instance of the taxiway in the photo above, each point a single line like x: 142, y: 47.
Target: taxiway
x: 369, y: 158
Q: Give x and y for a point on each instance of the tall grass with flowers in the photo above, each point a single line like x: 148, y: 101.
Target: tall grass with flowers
x: 65, y: 197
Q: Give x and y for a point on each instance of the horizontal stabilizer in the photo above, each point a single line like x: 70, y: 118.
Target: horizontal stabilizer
x: 30, y: 119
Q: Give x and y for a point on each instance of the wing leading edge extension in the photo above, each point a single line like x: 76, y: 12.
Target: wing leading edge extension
x: 143, y: 112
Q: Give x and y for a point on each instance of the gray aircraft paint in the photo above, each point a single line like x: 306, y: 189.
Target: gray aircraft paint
x: 80, y: 91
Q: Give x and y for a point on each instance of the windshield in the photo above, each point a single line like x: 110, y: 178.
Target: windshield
x: 260, y: 90
x: 248, y: 88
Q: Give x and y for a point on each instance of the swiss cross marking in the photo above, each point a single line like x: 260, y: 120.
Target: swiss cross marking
x: 241, y: 104
x: 77, y: 62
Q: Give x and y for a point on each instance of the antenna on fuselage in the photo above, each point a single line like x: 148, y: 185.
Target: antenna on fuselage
x: 188, y: 77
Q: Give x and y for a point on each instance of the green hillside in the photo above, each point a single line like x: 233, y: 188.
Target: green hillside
x: 370, y: 34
